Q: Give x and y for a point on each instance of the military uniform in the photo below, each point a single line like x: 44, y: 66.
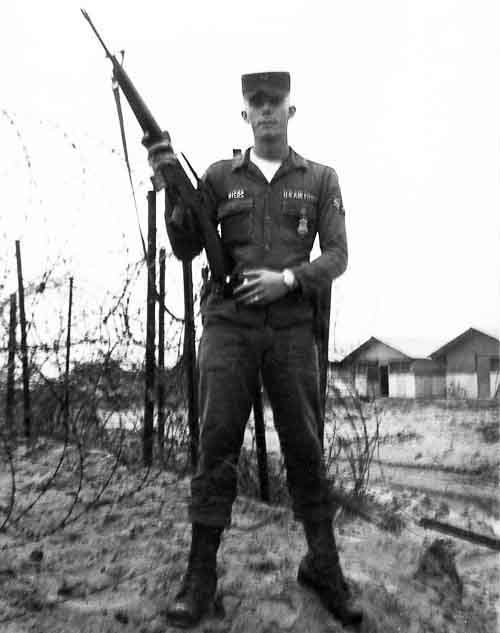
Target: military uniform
x: 265, y: 225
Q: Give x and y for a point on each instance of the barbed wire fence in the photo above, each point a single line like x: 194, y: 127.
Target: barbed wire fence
x: 87, y: 385
x: 93, y: 402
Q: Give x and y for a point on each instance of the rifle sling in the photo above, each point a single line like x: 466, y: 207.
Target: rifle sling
x: 116, y: 93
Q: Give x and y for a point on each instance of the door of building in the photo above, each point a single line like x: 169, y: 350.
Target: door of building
x: 384, y: 380
x: 483, y: 377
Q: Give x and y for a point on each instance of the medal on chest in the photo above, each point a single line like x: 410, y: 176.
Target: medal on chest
x: 303, y: 228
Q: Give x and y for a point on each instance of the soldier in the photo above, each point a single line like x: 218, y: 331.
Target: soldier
x: 270, y: 204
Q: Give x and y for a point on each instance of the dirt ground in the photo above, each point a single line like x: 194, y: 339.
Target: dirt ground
x: 114, y: 568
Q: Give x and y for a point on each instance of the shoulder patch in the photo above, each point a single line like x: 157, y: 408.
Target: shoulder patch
x: 338, y: 205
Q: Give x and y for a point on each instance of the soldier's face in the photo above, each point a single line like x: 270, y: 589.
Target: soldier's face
x: 268, y: 112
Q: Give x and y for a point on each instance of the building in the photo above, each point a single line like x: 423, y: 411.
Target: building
x: 471, y: 362
x: 378, y: 369
x: 468, y: 366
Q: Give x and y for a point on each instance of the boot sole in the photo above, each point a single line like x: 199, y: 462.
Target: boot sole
x: 180, y: 623
x: 183, y: 621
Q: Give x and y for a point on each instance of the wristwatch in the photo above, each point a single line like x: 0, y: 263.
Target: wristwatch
x: 289, y: 279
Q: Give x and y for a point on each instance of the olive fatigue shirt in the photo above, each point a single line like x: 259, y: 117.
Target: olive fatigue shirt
x: 271, y: 225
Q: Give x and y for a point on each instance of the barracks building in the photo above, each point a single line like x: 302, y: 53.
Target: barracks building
x: 468, y: 366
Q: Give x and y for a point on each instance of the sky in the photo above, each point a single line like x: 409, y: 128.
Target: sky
x: 401, y: 97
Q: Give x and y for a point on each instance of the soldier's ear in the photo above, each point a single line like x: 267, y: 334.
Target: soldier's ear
x: 244, y: 116
x: 291, y: 111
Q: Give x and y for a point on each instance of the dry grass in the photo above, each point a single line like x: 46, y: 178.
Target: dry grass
x: 115, y: 569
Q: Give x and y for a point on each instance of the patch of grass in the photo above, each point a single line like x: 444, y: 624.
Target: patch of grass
x: 484, y: 470
x: 392, y: 605
x: 392, y: 523
x: 399, y: 437
x: 263, y: 564
x: 248, y: 478
x: 490, y: 432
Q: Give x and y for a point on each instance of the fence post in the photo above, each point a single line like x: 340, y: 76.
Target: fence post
x: 190, y: 362
x: 260, y: 442
x: 68, y: 346
x: 9, y: 403
x: 323, y: 335
x: 161, y: 355
x: 149, y: 396
x: 24, y: 347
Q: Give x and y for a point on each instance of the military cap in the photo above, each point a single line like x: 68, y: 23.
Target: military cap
x: 253, y: 82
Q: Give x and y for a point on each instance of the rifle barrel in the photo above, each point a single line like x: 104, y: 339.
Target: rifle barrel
x: 87, y: 17
x: 174, y: 175
x: 143, y: 115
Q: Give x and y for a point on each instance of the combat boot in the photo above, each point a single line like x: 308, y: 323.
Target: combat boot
x: 308, y: 560
x: 320, y: 570
x: 197, y: 592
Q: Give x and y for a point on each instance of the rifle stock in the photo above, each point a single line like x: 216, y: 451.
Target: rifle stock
x: 179, y: 186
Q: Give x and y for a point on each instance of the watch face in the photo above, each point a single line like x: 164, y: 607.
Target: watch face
x: 288, y: 278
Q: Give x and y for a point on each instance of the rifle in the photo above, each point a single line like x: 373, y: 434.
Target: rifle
x: 178, y: 184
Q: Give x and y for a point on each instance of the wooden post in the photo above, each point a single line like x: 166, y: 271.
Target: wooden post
x: 466, y: 535
x: 9, y: 403
x: 161, y: 355
x: 260, y: 442
x: 24, y: 347
x: 323, y: 334
x: 149, y: 395
x: 190, y: 362
x: 68, y: 346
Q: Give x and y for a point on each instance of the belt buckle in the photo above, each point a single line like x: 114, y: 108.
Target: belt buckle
x: 230, y: 283
x: 226, y: 287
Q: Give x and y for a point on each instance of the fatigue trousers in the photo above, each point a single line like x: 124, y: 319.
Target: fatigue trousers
x: 230, y: 358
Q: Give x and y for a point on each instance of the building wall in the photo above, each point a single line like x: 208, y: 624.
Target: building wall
x: 430, y: 386
x: 401, y: 385
x: 461, y: 385
x: 341, y: 380
x: 430, y: 381
x: 361, y: 384
x: 439, y: 386
x: 494, y: 384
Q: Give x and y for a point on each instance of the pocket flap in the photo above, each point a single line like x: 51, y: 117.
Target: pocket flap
x: 232, y: 207
x: 299, y: 209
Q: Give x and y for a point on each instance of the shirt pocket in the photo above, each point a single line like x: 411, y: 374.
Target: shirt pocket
x: 298, y: 223
x: 236, y: 220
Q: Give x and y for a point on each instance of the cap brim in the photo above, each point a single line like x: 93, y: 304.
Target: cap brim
x: 267, y: 90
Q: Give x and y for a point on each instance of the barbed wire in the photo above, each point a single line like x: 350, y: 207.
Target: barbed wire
x: 106, y: 378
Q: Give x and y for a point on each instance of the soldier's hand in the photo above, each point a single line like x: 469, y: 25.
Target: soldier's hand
x: 260, y: 287
x: 160, y: 153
